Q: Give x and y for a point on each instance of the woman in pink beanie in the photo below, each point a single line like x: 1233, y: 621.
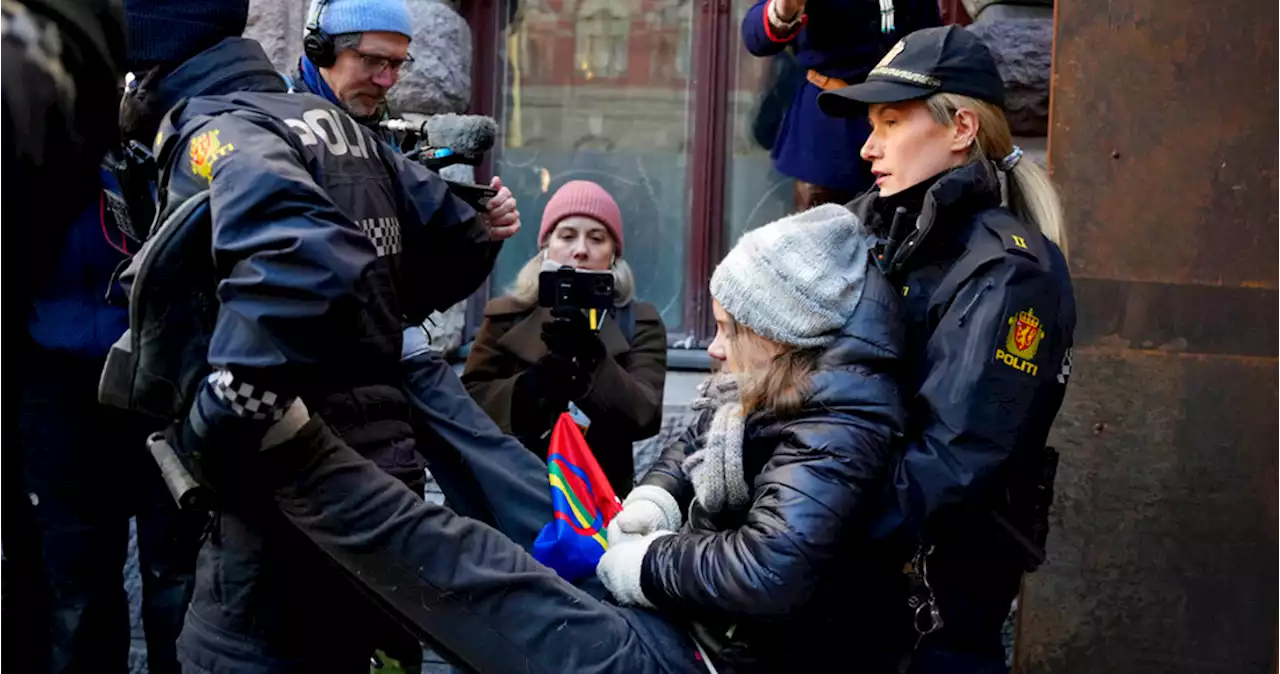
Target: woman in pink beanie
x: 525, y: 369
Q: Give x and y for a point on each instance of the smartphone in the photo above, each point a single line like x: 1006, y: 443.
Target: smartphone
x: 571, y: 288
x: 476, y: 196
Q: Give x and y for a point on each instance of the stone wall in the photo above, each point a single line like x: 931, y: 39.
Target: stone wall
x: 975, y: 7
x: 438, y: 80
x: 1021, y: 38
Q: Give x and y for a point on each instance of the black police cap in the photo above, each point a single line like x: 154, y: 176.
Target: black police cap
x: 948, y: 59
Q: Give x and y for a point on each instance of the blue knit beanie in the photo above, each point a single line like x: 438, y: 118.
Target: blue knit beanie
x: 361, y: 16
x: 172, y: 31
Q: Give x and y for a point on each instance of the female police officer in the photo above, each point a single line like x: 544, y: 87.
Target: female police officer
x: 968, y: 232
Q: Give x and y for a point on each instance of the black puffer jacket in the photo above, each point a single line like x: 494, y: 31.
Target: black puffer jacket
x: 794, y: 573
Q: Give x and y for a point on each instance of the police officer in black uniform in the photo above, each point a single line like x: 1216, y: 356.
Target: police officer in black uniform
x: 967, y: 230
x: 324, y: 244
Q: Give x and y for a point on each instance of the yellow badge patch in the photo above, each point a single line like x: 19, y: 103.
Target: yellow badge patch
x: 1022, y: 342
x: 205, y: 149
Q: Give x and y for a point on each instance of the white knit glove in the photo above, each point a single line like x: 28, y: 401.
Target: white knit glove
x: 647, y: 509
x: 620, y: 567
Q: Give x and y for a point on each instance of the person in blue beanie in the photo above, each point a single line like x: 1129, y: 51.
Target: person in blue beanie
x: 353, y: 52
x: 87, y: 470
x: 837, y: 42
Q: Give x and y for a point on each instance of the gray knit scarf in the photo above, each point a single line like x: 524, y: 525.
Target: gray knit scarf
x: 716, y: 468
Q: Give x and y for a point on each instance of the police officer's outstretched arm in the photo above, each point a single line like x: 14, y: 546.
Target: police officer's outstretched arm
x: 447, y: 245
x: 290, y: 269
x: 992, y: 363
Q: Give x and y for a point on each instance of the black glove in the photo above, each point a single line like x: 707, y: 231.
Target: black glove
x: 558, y: 379
x: 569, y: 334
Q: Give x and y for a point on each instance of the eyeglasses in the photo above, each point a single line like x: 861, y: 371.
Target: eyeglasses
x: 375, y: 65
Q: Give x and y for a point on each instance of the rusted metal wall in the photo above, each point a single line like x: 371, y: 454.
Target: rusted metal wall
x: 1163, y: 139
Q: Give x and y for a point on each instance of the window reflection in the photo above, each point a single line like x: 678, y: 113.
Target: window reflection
x: 600, y: 90
x: 755, y: 193
x: 600, y: 39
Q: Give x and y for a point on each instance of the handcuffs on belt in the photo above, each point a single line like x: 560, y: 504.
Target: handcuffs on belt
x: 925, y: 618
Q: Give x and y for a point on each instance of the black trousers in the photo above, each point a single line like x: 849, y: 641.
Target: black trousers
x: 267, y: 600
x: 457, y: 581
x: 86, y: 470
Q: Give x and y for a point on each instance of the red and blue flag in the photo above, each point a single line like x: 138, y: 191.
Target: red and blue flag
x: 584, y: 503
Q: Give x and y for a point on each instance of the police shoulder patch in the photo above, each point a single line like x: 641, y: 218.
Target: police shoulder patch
x: 204, y: 150
x: 1022, y: 342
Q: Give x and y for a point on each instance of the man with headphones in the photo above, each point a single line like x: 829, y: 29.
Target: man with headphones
x: 353, y: 53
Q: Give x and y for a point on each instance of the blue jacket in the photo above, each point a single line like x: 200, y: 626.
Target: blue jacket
x: 841, y: 39
x: 70, y: 313
x: 990, y: 317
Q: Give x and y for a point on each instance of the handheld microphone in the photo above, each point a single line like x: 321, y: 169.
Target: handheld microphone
x: 462, y: 134
x: 404, y: 126
x: 447, y: 140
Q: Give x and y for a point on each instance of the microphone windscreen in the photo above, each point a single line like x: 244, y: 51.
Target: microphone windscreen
x: 465, y: 134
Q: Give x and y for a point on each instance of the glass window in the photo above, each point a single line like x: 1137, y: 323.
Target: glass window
x: 755, y: 193
x: 613, y: 91
x: 601, y: 35
x: 619, y: 117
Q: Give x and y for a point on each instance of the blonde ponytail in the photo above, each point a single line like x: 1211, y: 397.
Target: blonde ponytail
x: 1032, y: 197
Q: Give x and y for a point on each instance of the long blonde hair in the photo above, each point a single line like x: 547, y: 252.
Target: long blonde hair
x: 1032, y: 197
x: 783, y: 384
x: 525, y: 287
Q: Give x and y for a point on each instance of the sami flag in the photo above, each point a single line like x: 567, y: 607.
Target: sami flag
x: 584, y: 503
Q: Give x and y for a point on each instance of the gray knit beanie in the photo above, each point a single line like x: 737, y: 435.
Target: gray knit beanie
x: 797, y: 280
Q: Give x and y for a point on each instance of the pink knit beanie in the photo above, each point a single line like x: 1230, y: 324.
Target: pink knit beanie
x: 582, y: 197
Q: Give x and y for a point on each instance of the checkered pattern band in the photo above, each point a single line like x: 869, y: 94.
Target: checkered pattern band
x: 248, y: 400
x: 385, y: 234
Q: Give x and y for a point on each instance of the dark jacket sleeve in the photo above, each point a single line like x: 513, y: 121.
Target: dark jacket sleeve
x: 759, y: 37
x: 59, y: 73
x: 628, y: 398
x: 290, y: 269
x: 450, y: 253
x: 978, y: 392
x: 815, y: 489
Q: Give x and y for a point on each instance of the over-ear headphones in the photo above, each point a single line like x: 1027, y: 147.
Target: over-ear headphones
x: 318, y: 45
